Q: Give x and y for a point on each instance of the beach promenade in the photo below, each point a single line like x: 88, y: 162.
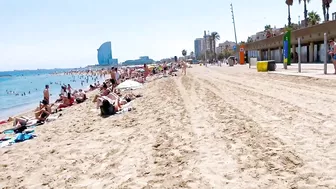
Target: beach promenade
x: 315, y: 70
x: 217, y: 127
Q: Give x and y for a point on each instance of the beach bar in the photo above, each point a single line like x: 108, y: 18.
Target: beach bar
x: 312, y: 48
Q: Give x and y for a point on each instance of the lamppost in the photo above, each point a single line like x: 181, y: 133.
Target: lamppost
x: 234, y: 27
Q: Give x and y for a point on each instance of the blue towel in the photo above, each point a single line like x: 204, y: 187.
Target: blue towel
x: 22, y: 137
x: 9, y: 131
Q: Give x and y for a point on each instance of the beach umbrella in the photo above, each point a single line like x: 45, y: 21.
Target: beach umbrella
x: 130, y: 84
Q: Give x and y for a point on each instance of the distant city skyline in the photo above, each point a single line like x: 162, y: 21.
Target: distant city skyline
x: 48, y: 34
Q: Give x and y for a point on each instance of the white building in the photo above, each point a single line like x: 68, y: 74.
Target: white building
x: 225, y: 45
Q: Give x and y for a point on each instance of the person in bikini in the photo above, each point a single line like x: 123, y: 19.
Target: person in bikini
x: 67, y: 101
x: 103, y: 92
x: 332, y: 53
x: 43, y: 111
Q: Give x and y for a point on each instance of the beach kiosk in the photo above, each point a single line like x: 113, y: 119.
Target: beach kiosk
x: 242, y: 54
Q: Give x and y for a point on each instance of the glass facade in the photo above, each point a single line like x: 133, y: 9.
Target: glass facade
x: 104, y: 55
x: 318, y: 54
x: 198, y: 43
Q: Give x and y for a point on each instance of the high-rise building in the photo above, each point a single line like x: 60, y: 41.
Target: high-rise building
x: 198, y: 47
x: 104, y: 55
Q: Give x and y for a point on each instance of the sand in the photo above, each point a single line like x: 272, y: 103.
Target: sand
x: 227, y: 127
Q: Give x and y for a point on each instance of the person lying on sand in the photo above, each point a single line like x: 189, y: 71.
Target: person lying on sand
x: 91, y: 88
x: 112, y: 98
x: 66, y: 101
x: 60, y: 99
x: 80, y: 96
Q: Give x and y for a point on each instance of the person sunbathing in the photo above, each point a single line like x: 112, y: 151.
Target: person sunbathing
x: 113, y: 98
x: 19, y: 125
x: 67, y: 101
x: 103, y: 92
x: 92, y: 88
x: 60, y: 99
x: 43, y: 111
x: 80, y: 96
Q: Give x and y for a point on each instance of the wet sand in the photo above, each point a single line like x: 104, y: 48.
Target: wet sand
x: 217, y: 127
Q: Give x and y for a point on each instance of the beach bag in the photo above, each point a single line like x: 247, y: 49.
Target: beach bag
x: 107, y: 108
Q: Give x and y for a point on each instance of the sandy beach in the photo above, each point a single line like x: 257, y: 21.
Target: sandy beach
x: 217, y: 127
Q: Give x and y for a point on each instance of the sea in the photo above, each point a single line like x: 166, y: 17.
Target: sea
x: 21, y: 91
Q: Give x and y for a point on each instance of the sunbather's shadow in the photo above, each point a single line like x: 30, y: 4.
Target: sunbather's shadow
x: 105, y: 116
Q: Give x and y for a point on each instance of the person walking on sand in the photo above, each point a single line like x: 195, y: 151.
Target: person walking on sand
x: 164, y: 68
x: 184, y: 68
x: 332, y: 52
x: 46, y: 95
x: 146, y: 72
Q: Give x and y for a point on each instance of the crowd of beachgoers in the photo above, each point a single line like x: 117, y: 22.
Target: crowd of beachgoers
x: 109, y: 98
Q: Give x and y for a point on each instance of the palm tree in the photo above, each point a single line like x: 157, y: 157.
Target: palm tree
x: 324, y: 10
x: 305, y: 10
x: 249, y: 40
x: 215, y: 37
x: 289, y: 3
x: 267, y: 27
x: 326, y: 6
x: 211, y: 47
x: 184, y: 52
x: 313, y: 18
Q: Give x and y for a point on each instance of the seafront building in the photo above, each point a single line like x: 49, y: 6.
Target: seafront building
x: 198, y: 47
x: 312, y: 47
x: 227, y: 45
x: 104, y: 55
x: 202, y: 45
x: 142, y: 60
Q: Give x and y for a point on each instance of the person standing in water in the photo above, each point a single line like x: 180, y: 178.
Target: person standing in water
x: 46, y: 95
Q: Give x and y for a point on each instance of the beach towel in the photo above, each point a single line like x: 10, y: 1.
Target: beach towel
x: 22, y: 137
x: 3, y: 122
x: 53, y: 118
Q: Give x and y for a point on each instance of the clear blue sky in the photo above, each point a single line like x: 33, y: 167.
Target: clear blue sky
x: 66, y: 33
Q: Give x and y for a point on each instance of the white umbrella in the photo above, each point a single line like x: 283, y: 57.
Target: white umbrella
x: 130, y: 84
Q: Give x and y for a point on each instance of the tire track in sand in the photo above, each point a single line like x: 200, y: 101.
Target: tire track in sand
x: 173, y: 149
x: 258, y: 153
x: 288, y: 122
x: 213, y: 161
